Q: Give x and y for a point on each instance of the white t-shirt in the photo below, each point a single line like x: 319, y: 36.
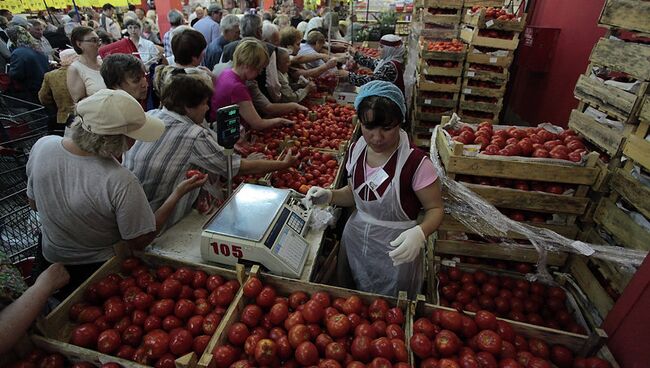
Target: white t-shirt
x: 85, y: 203
x: 148, y: 51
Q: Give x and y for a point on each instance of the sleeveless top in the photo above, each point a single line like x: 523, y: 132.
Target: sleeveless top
x: 92, y: 78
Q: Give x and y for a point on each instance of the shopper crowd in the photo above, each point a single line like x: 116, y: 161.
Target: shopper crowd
x: 136, y: 107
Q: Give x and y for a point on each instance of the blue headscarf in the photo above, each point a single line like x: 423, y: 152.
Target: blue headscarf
x: 384, y: 89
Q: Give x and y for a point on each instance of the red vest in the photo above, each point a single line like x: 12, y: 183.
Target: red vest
x: 399, y: 80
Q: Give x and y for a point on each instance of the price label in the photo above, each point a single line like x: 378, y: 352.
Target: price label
x: 427, y: 102
x: 227, y: 250
x: 467, y: 91
x: 471, y: 74
x: 448, y: 263
x: 489, y: 23
x: 407, y: 18
x: 493, y: 60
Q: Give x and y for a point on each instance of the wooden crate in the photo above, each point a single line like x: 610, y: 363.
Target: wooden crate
x: 57, y: 326
x: 440, y: 31
x: 433, y: 86
x: 581, y: 345
x: 436, y: 101
x: 622, y: 227
x: 504, y: 59
x: 482, y: 91
x: 627, y: 57
x: 472, y: 71
x: 448, y: 4
x: 284, y: 287
x: 486, y: 3
x: 477, y: 19
x: 432, y: 116
x: 608, y: 139
x: 470, y: 116
x: 594, y: 292
x: 454, y: 71
x: 339, y: 156
x: 440, y: 55
x: 620, y: 104
x: 469, y: 104
x: 471, y: 36
x: 452, y: 18
x: 637, y: 148
x: 632, y: 15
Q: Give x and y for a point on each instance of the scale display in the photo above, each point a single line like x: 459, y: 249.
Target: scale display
x: 261, y: 224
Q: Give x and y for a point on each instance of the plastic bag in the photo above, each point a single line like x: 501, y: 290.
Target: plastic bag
x: 322, y: 217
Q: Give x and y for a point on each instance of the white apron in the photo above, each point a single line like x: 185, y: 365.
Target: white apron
x: 373, y: 226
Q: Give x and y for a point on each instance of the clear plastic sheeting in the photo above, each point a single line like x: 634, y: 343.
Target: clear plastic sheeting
x: 484, y: 219
x: 410, y: 71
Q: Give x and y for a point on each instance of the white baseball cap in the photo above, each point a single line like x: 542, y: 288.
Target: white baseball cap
x: 113, y: 112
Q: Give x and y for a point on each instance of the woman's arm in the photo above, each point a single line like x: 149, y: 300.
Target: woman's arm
x: 366, y: 61
x: 343, y: 197
x: 308, y: 58
x: 76, y: 85
x: 248, y: 112
x: 315, y: 72
x: 19, y: 315
x: 265, y: 166
x: 431, y: 199
x: 388, y: 72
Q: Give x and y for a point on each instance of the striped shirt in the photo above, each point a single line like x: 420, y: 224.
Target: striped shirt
x: 167, y: 42
x: 161, y: 165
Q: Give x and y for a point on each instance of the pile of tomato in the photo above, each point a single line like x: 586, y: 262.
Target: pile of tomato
x: 41, y: 359
x: 520, y: 267
x: 302, y: 331
x: 151, y: 316
x: 442, y: 63
x: 434, y: 109
x: 477, y: 114
x: 527, y: 185
x: 368, y: 51
x: 450, y: 339
x: 442, y: 11
x: 527, y: 142
x: 444, y: 46
x: 484, y: 84
x: 477, y: 98
x: 492, y: 33
x: 494, y: 13
x: 314, y: 168
x: 441, y: 80
x: 515, y: 299
x: 327, y: 82
x: 485, y: 67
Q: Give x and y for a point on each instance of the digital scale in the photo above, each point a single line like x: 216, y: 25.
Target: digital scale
x: 261, y: 224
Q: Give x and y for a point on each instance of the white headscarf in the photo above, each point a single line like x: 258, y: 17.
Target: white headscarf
x: 390, y: 53
x: 314, y: 23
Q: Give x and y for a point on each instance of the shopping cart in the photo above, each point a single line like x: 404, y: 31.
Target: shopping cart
x: 22, y: 123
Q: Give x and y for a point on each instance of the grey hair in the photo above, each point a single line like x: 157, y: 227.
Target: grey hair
x: 268, y: 30
x: 282, y: 21
x: 175, y: 17
x: 249, y: 25
x: 100, y: 145
x: 229, y: 22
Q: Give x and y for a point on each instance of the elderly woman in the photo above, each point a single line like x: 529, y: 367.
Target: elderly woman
x: 54, y: 92
x: 186, y: 142
x: 27, y: 65
x: 148, y: 51
x: 83, y: 74
x: 85, y: 199
x: 390, y: 67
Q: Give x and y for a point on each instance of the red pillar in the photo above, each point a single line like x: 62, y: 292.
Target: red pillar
x: 162, y: 8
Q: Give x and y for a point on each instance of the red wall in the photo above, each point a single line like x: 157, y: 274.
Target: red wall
x: 548, y: 97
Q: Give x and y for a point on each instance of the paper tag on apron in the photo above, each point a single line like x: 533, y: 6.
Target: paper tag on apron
x: 377, y: 179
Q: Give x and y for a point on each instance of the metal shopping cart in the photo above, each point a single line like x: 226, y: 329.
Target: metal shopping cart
x: 22, y: 123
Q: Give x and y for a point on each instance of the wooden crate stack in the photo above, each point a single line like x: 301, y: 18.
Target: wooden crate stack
x: 440, y: 19
x: 618, y: 196
x: 491, y: 49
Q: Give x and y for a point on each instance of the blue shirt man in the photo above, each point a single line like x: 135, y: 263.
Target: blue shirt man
x: 209, y: 25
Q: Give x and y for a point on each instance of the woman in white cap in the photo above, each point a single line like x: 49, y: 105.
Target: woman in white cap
x: 389, y: 183
x: 86, y: 200
x: 390, y: 66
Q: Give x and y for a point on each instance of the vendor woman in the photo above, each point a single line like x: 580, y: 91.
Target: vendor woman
x: 390, y: 67
x: 390, y: 182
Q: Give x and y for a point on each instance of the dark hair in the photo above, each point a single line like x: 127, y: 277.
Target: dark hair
x: 132, y: 22
x: 107, y: 6
x: 184, y: 91
x: 117, y: 68
x: 78, y: 33
x: 104, y: 37
x: 385, y: 112
x: 186, y: 45
x: 131, y: 7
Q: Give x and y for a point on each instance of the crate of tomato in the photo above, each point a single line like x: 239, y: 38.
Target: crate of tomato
x: 494, y: 18
x: 489, y: 56
x: 498, y: 39
x: 284, y: 321
x: 442, y: 50
x: 480, y: 103
x: 436, y: 15
x: 442, y: 99
x: 316, y: 167
x: 143, y: 311
x: 440, y: 67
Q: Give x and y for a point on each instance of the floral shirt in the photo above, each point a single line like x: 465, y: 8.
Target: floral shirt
x: 388, y: 72
x: 12, y: 284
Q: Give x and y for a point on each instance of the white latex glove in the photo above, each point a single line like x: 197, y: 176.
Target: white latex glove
x: 318, y: 195
x: 408, y: 245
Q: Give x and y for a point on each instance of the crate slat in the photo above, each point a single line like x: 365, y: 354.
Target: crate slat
x: 488, y: 250
x: 477, y: 19
x: 627, y: 57
x: 585, y: 280
x: 621, y: 226
x: 426, y: 69
x: 644, y: 113
x: 608, y: 139
x: 614, y: 101
x: 627, y: 14
x: 481, y: 106
x: 632, y: 190
x: 475, y: 56
x: 447, y: 4
x: 444, y: 19
x: 638, y: 149
x: 472, y: 37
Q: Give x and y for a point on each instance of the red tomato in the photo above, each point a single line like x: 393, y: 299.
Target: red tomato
x: 210, y: 323
x: 132, y: 335
x: 252, y: 287
x: 338, y: 325
x: 306, y: 354
x: 156, y: 343
x: 85, y: 335
x: 298, y: 334
x: 191, y: 173
x: 108, y: 341
x: 180, y: 341
x: 421, y: 345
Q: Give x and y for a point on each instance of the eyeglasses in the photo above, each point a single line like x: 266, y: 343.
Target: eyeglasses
x: 93, y: 40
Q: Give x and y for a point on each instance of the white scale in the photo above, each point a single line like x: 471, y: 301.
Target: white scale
x: 261, y: 224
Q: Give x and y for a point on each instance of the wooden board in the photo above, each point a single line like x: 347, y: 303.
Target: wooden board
x: 450, y: 224
x: 447, y: 4
x: 426, y: 69
x: 425, y: 85
x: 608, y: 139
x: 626, y: 232
x: 477, y: 120
x: 632, y: 190
x: 472, y: 37
x: 440, y: 33
x: 477, y: 19
x: 614, y: 101
x: 486, y: 3
x: 284, y: 287
x: 638, y: 149
x: 524, y: 169
x: 585, y: 280
x: 644, y: 114
x: 485, y: 75
x: 438, y: 102
x: 482, y: 91
x: 627, y: 57
x: 430, y: 116
x: 481, y: 106
x: 444, y: 19
x: 475, y: 56
x: 490, y: 250
x: 627, y: 14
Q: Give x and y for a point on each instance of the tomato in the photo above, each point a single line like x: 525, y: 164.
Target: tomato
x: 382, y: 347
x: 486, y: 360
x: 486, y: 320
x: 539, y: 348
x: 313, y: 311
x: 306, y: 354
x: 156, y: 343
x: 285, y: 351
x: 395, y: 315
x: 76, y: 309
x: 298, y: 334
x: 85, y: 335
x: 128, y: 265
x: 142, y: 301
x: 447, y: 343
x: 424, y: 326
x: 335, y: 351
x: 89, y: 314
x: 162, y: 308
x: 200, y: 343
x: 421, y: 345
x: 536, y: 362
x: 238, y: 333
x: 338, y: 325
x: 266, y: 297
x: 107, y: 287
x: 125, y: 352
x: 202, y: 307
x: 170, y: 288
x: 294, y: 318
x: 451, y: 320
x: 213, y: 282
x: 180, y: 341
x: 132, y: 335
x: 251, y: 315
x: 252, y: 287
x: 224, y: 356
x: 166, y: 361
x: 352, y: 304
x: 322, y: 297
x: 55, y: 360
x: 108, y: 341
x: 394, y: 331
x: 469, y: 327
x: 191, y: 173
x: 265, y: 352
x: 171, y: 322
x: 210, y: 323
x: 278, y: 313
x: 152, y: 323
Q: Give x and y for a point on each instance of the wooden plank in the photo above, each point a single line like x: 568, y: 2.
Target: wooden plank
x: 426, y: 69
x: 627, y: 57
x: 486, y: 3
x: 644, y: 113
x: 477, y: 19
x: 450, y: 19
x: 438, y: 102
x: 614, y: 101
x: 626, y: 232
x: 594, y: 291
x: 481, y: 106
x: 632, y: 190
x: 568, y: 231
x: 608, y: 139
x: 638, y: 149
x: 483, y: 91
x: 475, y: 56
x: 447, y: 4
x: 627, y: 14
x: 491, y: 250
x: 530, y: 200
x: 472, y: 37
x: 617, y: 276
x: 486, y: 75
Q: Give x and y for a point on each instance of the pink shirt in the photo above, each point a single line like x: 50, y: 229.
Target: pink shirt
x: 229, y: 89
x: 424, y: 176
